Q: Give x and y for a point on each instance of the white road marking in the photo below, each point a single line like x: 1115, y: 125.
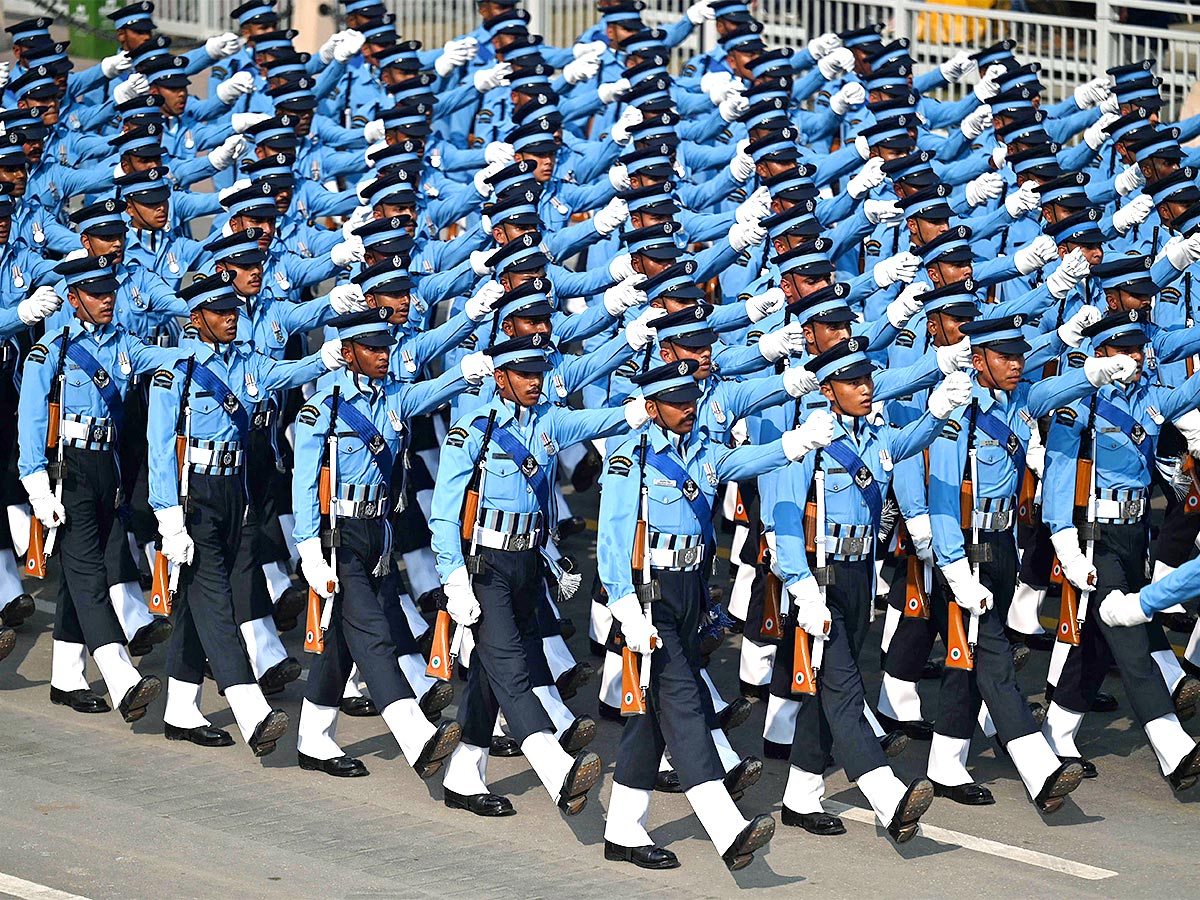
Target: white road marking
x: 983, y: 845
x: 31, y: 890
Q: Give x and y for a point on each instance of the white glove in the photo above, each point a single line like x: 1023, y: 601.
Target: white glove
x: 977, y: 122
x: 356, y: 220
x: 813, y: 433
x: 622, y: 296
x: 591, y: 48
x: 243, y: 121
x: 863, y: 146
x: 700, y: 12
x: 1129, y: 180
x: 741, y: 167
x: 1071, y: 331
x: 640, y: 332
x: 348, y: 45
x: 920, y: 530
x: 755, y: 207
x: 954, y: 357
x: 41, y: 303
x: 224, y: 156
x: 621, y: 267
x: 957, y: 66
x: 1110, y: 104
x: 454, y: 54
x: 1092, y: 92
x: 222, y: 46
x: 1035, y: 458
x: 907, y: 304
x: 1181, y: 251
x: 1024, y: 199
x: 347, y: 298
x: 1122, y: 610
x: 480, y: 178
x: 374, y: 132
x: 636, y: 416
x: 1135, y: 212
x: 476, y: 367
x: 480, y: 304
x: 112, y: 66
x: 1000, y: 157
x: 580, y: 70
x: 610, y: 92
x: 798, y: 381
x: 629, y: 117
x: 824, y: 44
x: 812, y: 615
x: 618, y: 177
x: 479, y: 261
x: 988, y: 186
x: 1102, y: 370
x: 331, y: 355
x: 45, y: 506
x: 777, y: 344
x: 726, y: 87
x: 878, y: 211
x: 1075, y: 567
x: 1097, y: 133
x: 836, y: 63
x: 769, y: 301
x: 326, y: 51
x: 613, y: 214
x: 317, y: 572
x: 177, y: 544
x: 136, y: 85
x: 492, y: 78
x: 348, y: 252
x: 989, y: 85
x: 901, y: 267
x: 733, y: 107
x: 850, y: 95
x: 1073, y: 269
x: 1035, y: 254
x: 953, y: 392
x: 746, y: 234
x: 498, y: 152
x: 711, y: 80
x: 968, y: 592
x: 235, y: 86
x: 637, y: 630
x: 869, y: 176
x: 5, y: 73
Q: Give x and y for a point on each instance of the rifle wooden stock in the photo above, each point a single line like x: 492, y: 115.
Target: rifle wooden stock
x: 35, y: 558
x: 1191, y: 366
x: 1025, y: 495
x: 314, y: 638
x: 439, y: 653
x: 916, y: 601
x: 966, y: 503
x: 324, y: 490
x: 1191, y: 503
x: 639, y: 546
x: 470, y: 514
x: 958, y: 652
x: 803, y: 681
x: 52, y: 425
x: 1050, y: 369
x: 633, y: 701
x: 1068, y: 615
x: 810, y: 526
x: 1083, y: 484
x: 772, y: 627
x: 160, y: 589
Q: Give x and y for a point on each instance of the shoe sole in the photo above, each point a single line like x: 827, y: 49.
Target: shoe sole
x: 18, y: 611
x: 436, y: 699
x: 584, y: 735
x: 290, y: 605
x: 897, y: 746
x: 1069, y: 779
x: 916, y: 805
x: 148, y: 692
x: 579, y: 677
x: 759, y: 837
x: 276, y: 725
x: 1020, y: 657
x: 748, y: 778
x: 741, y: 712
x: 1185, y: 700
x: 280, y: 678
x: 447, y: 741
x: 8, y: 640
x: 585, y: 778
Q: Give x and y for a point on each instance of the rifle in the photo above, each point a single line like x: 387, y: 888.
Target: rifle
x: 41, y: 539
x: 317, y: 619
x: 806, y: 664
x: 916, y: 589
x: 960, y: 641
x: 1071, y: 609
x: 634, y: 682
x: 166, y: 575
x: 772, y: 617
x: 1089, y: 530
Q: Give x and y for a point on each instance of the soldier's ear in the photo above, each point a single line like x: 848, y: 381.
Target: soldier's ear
x: 667, y: 351
x: 652, y: 409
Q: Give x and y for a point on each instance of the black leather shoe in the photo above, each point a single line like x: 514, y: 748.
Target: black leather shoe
x: 280, y: 675
x: 436, y: 699
x: 667, y: 782
x: 566, y: 628
x: 893, y: 744
x: 1105, y: 702
x: 137, y: 698
x: 596, y: 649
x: 743, y: 776
x: 1185, y: 695
x: 1187, y: 771
x: 1043, y: 642
x: 585, y: 771
x: 503, y: 745
x: 912, y: 806
x: 291, y: 605
x: 931, y: 670
x: 821, y: 823
x: 17, y: 610
x: 610, y: 713
x: 1089, y: 767
x: 1061, y: 782
x: 645, y: 857
x: 82, y: 701
x: 437, y: 748
x: 153, y: 632
x: 201, y: 735
x: 338, y: 767
x: 970, y: 794
x: 1020, y: 656
x: 918, y: 730
x: 755, y: 691
x: 8, y: 640
x: 431, y: 600
x: 736, y: 713
x: 1182, y: 622
x: 1038, y: 712
x: 570, y: 681
x: 776, y: 750
x: 753, y: 837
x: 359, y: 707
x: 269, y: 730
x: 578, y: 735
x: 587, y: 470
x: 486, y: 805
x: 571, y: 526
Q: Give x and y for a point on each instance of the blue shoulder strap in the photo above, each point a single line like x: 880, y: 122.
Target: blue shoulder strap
x: 101, y: 380
x: 370, y: 436
x: 1130, y: 428
x: 698, y: 502
x: 533, y: 473
x: 1003, y: 435
x: 864, y: 480
x: 210, y: 381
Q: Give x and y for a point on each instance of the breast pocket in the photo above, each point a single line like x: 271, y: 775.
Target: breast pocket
x: 504, y: 482
x: 668, y: 511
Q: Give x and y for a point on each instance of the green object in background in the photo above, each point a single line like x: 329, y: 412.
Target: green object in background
x: 87, y: 43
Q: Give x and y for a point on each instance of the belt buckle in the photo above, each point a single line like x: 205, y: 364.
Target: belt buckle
x: 853, y: 546
x: 518, y: 542
x: 689, y: 556
x: 368, y: 509
x: 99, y: 434
x: 226, y: 459
x: 259, y: 420
x: 1131, y: 509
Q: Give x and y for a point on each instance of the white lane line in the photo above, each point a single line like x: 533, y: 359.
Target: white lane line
x: 983, y: 845
x: 31, y: 890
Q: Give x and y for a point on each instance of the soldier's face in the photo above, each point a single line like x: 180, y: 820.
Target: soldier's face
x: 130, y: 40
x: 1001, y: 371
x: 304, y: 120
x: 943, y: 273
x: 216, y: 325
x: 616, y: 33
x: 34, y: 150
x: 5, y: 228
x: 524, y: 388
x: 1154, y: 168
x: 1093, y: 253
x: 363, y: 360
x: 769, y: 168
x: 672, y: 352
x: 544, y: 162
x: 1137, y: 354
x: 1120, y: 301
x: 925, y: 230
x: 131, y: 163
x: 95, y: 308
x: 113, y: 247
x: 152, y: 216
x: 646, y: 219
x: 283, y: 200
x: 399, y: 304
x: 647, y: 266
x: 820, y: 336
x: 945, y: 329
x: 174, y: 99
x: 1171, y: 210
x: 17, y: 177
x: 247, y: 280
x: 1127, y: 108
x: 677, y: 418
x: 267, y: 226
x: 507, y: 231
x: 254, y: 29
x: 797, y: 287
x: 48, y: 106
x: 850, y: 398
x: 519, y: 326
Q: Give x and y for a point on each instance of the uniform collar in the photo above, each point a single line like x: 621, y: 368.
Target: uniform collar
x: 101, y: 334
